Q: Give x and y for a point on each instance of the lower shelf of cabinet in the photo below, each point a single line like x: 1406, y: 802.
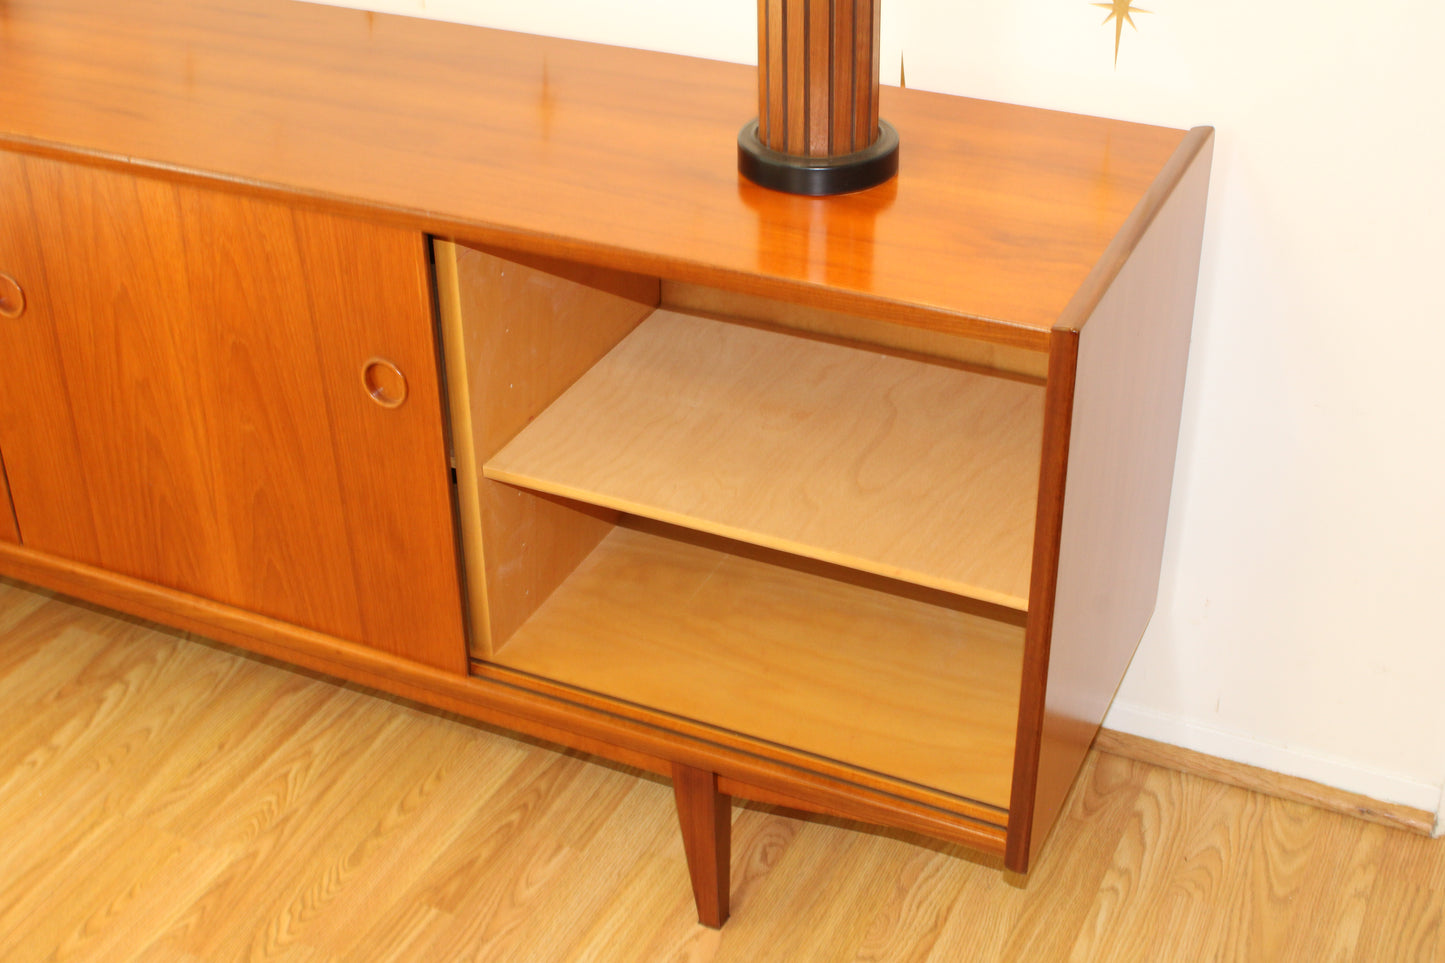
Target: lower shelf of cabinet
x: 902, y: 685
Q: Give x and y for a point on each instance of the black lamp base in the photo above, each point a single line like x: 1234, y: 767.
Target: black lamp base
x: 818, y: 176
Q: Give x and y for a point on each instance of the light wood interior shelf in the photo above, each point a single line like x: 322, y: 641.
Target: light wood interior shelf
x: 920, y: 691
x: 921, y: 472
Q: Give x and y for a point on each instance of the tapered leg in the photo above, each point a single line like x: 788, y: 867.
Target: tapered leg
x: 707, y: 829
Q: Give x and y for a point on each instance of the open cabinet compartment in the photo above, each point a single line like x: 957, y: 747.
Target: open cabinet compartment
x: 818, y: 545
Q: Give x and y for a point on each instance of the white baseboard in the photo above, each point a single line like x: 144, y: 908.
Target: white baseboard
x: 1349, y: 776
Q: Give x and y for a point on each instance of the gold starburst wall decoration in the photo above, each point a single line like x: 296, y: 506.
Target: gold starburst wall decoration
x: 1120, y: 11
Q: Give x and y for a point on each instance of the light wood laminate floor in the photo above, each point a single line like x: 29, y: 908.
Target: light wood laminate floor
x: 163, y: 799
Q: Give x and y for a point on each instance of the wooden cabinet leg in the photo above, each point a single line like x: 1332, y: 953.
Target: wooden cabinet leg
x: 707, y: 829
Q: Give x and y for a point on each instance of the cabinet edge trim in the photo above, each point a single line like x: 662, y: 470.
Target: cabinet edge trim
x: 1081, y: 306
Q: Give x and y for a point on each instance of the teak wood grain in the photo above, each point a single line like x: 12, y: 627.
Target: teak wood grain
x: 618, y: 157
x: 903, y: 688
x: 194, y: 414
x: 8, y: 531
x: 794, y: 133
x: 62, y: 517
x: 369, y: 295
x: 1116, y: 387
x: 915, y: 471
x: 818, y: 76
x: 706, y: 816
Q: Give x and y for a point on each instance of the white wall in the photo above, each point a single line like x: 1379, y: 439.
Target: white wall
x: 1297, y: 626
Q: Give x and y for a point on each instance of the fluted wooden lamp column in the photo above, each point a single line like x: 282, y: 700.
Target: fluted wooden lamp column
x: 818, y: 130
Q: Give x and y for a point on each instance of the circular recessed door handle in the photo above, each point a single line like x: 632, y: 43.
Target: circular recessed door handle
x: 12, y: 298
x: 384, y: 382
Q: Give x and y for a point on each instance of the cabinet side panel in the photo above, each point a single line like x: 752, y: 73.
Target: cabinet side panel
x: 518, y: 331
x: 1114, y: 468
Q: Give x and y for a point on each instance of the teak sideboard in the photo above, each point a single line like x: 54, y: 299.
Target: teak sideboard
x: 463, y: 365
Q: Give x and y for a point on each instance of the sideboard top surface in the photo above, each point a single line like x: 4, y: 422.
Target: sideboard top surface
x: 605, y: 154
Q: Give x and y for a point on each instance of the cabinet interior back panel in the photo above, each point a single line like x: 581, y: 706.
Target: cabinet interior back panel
x: 892, y: 685
x: 916, y: 471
